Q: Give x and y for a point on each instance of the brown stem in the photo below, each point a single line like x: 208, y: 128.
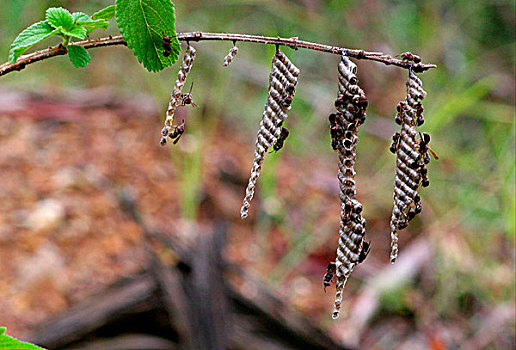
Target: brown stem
x: 294, y: 43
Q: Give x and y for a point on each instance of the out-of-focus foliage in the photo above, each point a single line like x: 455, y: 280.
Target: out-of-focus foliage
x: 469, y: 208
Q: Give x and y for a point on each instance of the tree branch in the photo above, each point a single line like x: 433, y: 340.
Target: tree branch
x: 293, y: 43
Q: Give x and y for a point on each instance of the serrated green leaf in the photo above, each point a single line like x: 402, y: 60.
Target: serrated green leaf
x: 76, y: 32
x: 107, y: 13
x: 98, y: 23
x: 78, y: 55
x: 80, y: 16
x: 83, y: 20
x: 143, y: 23
x: 31, y: 36
x: 59, y: 17
x: 10, y: 343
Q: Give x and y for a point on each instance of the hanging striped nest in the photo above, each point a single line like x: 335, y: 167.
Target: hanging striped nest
x: 411, y: 149
x: 282, y: 82
x: 351, y: 107
x: 230, y: 56
x: 176, y: 97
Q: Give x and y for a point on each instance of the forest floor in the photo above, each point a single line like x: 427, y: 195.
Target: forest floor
x: 63, y: 236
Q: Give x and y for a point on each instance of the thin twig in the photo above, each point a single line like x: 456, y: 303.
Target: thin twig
x: 293, y: 43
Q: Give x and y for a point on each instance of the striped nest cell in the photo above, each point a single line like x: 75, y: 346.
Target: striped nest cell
x: 411, y: 157
x: 351, y: 107
x: 230, y: 56
x: 175, y: 98
x: 282, y: 82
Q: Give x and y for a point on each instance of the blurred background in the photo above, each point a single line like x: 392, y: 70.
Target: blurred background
x: 63, y: 237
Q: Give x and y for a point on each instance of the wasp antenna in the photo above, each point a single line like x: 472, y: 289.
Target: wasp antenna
x: 433, y: 153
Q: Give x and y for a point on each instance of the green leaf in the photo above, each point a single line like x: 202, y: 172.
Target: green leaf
x: 10, y: 343
x: 107, y: 13
x: 77, y: 32
x: 59, y: 17
x: 83, y: 20
x: 94, y: 24
x: 80, y: 16
x: 143, y: 23
x: 78, y: 55
x: 31, y: 36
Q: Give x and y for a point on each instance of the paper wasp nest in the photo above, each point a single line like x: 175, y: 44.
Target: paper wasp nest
x: 175, y: 98
x: 351, y: 105
x: 282, y: 79
x: 411, y: 157
x: 230, y: 56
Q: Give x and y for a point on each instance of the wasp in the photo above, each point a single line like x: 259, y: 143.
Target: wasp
x: 360, y: 119
x: 415, y: 209
x: 352, y: 207
x: 341, y: 101
x: 424, y: 148
x: 348, y: 209
x: 401, y: 224
x: 290, y: 90
x: 281, y: 139
x: 360, y: 101
x: 328, y: 277
x: 287, y: 101
x: 366, y: 248
x: 398, y: 119
x: 186, y: 99
x: 419, y: 108
x: 166, y: 45
x: 336, y: 130
x: 420, y: 120
x: 177, y: 132
x: 409, y: 56
x: 415, y: 164
x: 400, y: 108
x: 395, y: 141
x: 423, y: 171
x: 357, y: 207
x: 333, y: 119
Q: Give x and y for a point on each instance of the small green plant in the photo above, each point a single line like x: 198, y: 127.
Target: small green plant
x: 69, y: 26
x: 142, y: 24
x: 10, y: 343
